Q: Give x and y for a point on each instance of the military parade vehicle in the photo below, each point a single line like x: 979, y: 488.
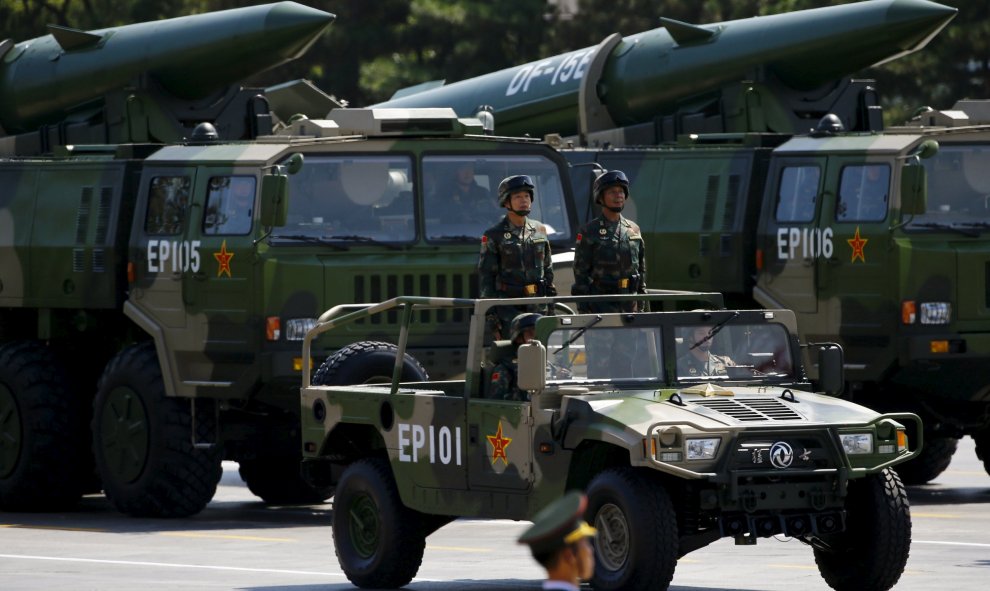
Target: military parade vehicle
x: 759, y: 169
x: 684, y: 425
x: 156, y: 277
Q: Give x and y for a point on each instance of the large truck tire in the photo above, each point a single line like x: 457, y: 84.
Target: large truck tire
x: 44, y: 441
x: 636, y: 546
x: 935, y: 457
x: 367, y: 362
x: 142, y: 441
x: 278, y: 481
x: 982, y: 439
x: 871, y: 553
x: 379, y: 542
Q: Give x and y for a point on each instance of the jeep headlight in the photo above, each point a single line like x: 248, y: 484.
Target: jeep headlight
x: 702, y: 449
x: 296, y: 328
x: 857, y: 443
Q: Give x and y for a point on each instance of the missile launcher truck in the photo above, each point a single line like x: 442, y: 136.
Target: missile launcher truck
x: 672, y: 456
x: 760, y: 169
x: 167, y: 237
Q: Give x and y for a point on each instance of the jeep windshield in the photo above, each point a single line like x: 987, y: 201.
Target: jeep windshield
x: 958, y: 190
x: 630, y: 356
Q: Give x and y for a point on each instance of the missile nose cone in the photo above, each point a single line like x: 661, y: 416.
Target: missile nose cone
x: 289, y: 20
x: 917, y: 21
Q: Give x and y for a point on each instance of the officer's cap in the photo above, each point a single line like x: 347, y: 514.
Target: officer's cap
x: 559, y: 524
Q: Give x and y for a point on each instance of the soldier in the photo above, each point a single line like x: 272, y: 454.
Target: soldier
x: 610, y: 256
x: 698, y: 360
x: 503, y: 384
x: 559, y: 541
x: 515, y: 255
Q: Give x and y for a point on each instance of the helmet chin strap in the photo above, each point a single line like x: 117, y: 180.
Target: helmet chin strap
x: 614, y: 209
x: 521, y: 212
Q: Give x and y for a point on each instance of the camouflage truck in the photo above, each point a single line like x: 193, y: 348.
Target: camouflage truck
x: 672, y: 459
x: 156, y: 277
x: 735, y: 190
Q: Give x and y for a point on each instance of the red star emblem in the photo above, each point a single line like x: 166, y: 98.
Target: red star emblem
x: 857, y: 244
x: 223, y: 259
x: 499, y: 444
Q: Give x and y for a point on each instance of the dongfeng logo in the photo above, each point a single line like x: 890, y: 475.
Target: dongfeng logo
x: 781, y: 455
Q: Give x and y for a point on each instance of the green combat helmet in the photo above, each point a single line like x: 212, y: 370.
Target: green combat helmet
x: 509, y: 185
x: 560, y: 523
x: 609, y: 179
x: 521, y: 323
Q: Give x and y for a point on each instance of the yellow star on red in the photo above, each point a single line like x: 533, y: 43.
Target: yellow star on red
x: 499, y: 444
x: 857, y: 244
x: 223, y: 259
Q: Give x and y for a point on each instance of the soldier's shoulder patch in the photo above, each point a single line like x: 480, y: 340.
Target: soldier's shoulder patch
x: 496, y: 376
x: 579, y: 238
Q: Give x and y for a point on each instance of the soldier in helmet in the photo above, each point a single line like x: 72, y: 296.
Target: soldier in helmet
x: 503, y: 384
x: 610, y: 256
x: 515, y: 255
x: 560, y: 541
x: 698, y: 360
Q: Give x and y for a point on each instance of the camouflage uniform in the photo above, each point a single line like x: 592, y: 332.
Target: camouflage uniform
x: 503, y: 384
x: 515, y: 263
x: 610, y: 258
x: 690, y: 366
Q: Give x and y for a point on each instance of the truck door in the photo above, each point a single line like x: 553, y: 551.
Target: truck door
x: 856, y: 282
x: 499, y: 445
x: 791, y: 237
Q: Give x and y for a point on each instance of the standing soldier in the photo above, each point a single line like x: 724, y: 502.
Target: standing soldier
x: 515, y: 255
x: 610, y: 256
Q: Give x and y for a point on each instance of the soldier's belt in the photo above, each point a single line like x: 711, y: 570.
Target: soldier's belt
x: 529, y: 289
x: 622, y: 283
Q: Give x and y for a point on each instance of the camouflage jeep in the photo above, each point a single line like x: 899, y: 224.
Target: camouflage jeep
x: 698, y: 417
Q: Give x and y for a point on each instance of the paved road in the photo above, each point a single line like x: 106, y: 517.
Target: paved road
x: 238, y: 543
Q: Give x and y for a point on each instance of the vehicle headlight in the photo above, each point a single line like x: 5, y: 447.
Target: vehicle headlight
x: 702, y: 449
x: 296, y: 328
x: 857, y: 443
x: 935, y: 313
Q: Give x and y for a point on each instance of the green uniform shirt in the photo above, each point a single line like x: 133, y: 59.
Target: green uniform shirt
x: 610, y: 258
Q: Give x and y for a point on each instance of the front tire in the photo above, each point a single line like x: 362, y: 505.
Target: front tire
x: 982, y: 440
x: 636, y: 547
x: 379, y: 542
x: 143, y: 441
x: 935, y: 457
x: 871, y: 554
x: 278, y: 481
x: 43, y: 441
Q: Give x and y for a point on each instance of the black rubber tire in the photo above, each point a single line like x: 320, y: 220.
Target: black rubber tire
x: 367, y: 362
x: 982, y: 439
x: 871, y: 554
x: 935, y: 457
x: 142, y: 441
x: 636, y: 547
x: 278, y: 481
x: 44, y: 442
x: 378, y: 541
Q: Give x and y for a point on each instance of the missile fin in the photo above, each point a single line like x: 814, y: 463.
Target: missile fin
x: 5, y: 46
x: 71, y: 39
x: 686, y: 33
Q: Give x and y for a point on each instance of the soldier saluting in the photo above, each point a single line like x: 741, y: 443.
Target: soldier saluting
x: 515, y: 255
x: 610, y: 256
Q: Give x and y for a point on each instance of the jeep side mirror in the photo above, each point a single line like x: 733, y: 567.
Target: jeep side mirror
x: 274, y: 200
x: 914, y: 190
x: 531, y: 374
x: 831, y: 375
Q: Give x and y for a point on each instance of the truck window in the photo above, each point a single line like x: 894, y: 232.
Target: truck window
x: 864, y: 191
x: 229, y: 205
x: 736, y: 351
x: 611, y: 353
x: 353, y: 198
x: 958, y: 186
x: 168, y: 202
x: 461, y: 201
x: 797, y: 193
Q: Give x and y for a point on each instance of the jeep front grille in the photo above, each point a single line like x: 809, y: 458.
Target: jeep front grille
x: 752, y: 409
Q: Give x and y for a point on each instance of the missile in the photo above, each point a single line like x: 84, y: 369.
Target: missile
x: 633, y: 79
x: 44, y: 80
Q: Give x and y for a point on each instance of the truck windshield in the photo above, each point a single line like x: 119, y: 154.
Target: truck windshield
x: 736, y: 351
x: 460, y: 194
x: 958, y: 188
x: 593, y: 353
